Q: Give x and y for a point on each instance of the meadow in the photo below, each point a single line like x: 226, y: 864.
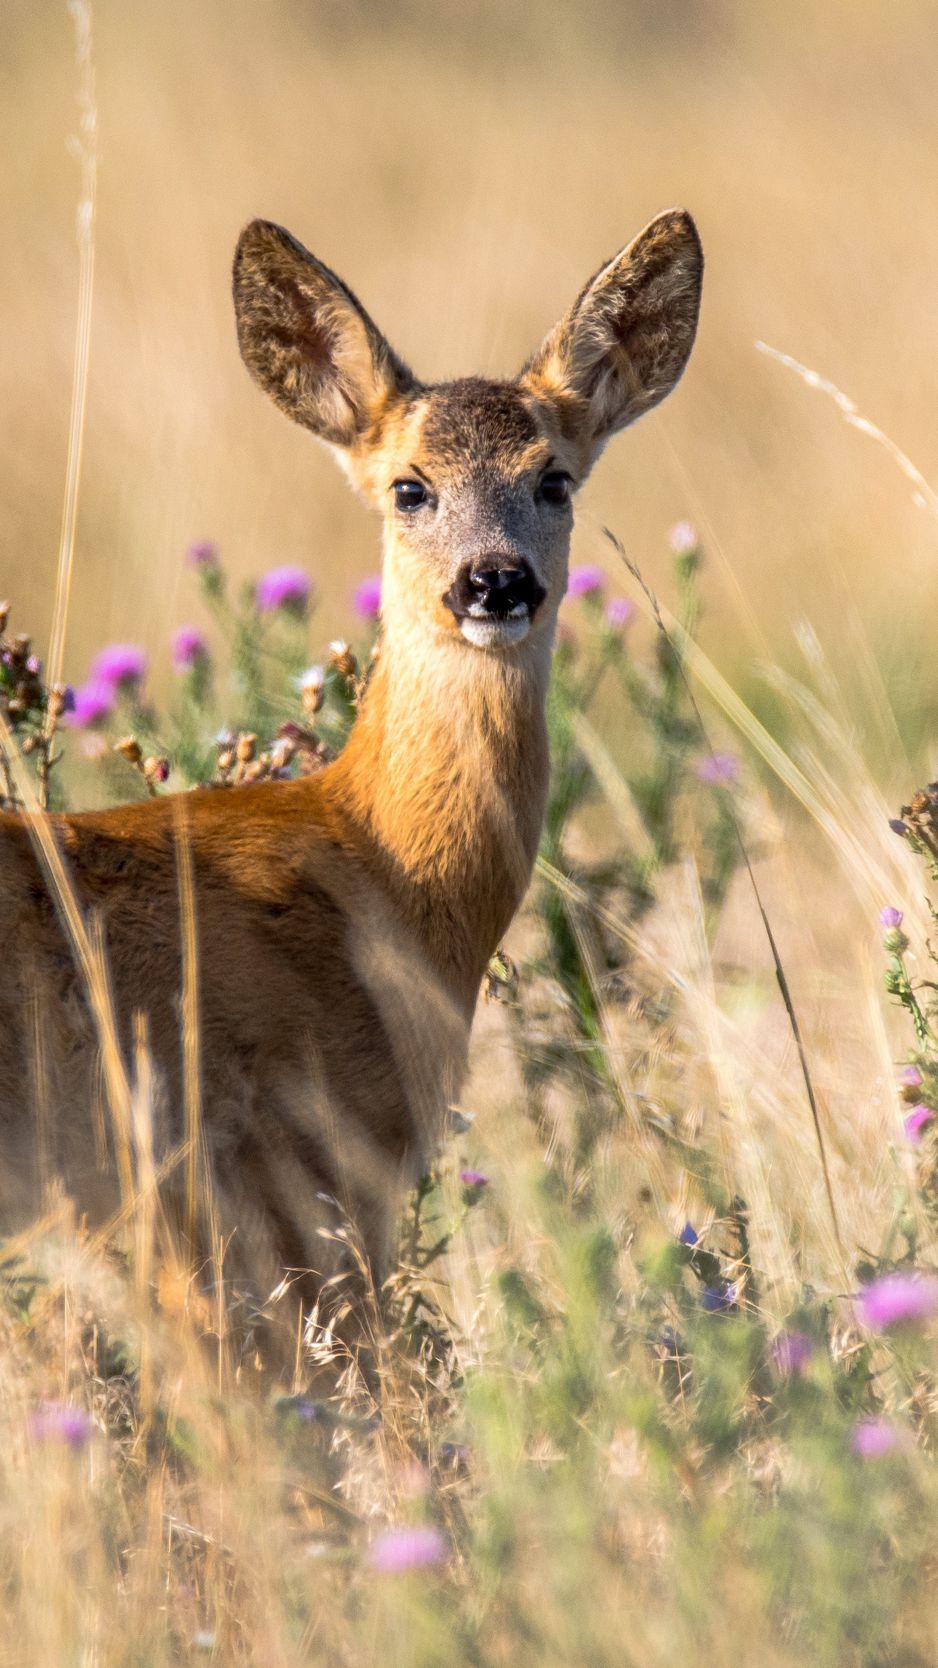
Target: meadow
x: 656, y: 1374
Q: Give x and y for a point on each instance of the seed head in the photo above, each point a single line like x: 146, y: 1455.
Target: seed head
x: 129, y: 749
x: 342, y: 660
x: 245, y: 748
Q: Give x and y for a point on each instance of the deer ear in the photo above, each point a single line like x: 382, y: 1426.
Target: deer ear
x: 627, y: 338
x: 307, y: 340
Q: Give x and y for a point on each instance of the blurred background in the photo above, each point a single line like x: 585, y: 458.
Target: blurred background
x: 465, y: 165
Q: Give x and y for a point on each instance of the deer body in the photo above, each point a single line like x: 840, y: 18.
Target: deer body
x: 344, y: 921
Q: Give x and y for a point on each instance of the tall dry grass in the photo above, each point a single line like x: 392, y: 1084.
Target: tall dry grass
x: 465, y: 167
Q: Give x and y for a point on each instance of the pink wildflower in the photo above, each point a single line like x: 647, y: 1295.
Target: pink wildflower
x: 585, y: 581
x: 683, y: 538
x: 915, y: 1122
x: 397, y: 1551
x: 58, y: 1422
x: 717, y: 768
x: 872, y: 1438
x: 367, y: 598
x: 619, y: 611
x: 286, y: 587
x: 890, y: 917
x: 202, y: 554
x: 188, y: 647
x: 121, y: 665
x: 91, y: 704
x: 911, y: 1077
x: 473, y: 1178
x: 791, y: 1353
x: 897, y: 1299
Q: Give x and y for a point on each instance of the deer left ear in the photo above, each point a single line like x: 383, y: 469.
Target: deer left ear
x: 308, y: 340
x: 627, y: 338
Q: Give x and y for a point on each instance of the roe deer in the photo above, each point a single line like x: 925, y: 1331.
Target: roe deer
x: 345, y: 921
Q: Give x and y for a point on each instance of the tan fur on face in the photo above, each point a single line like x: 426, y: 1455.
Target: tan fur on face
x: 343, y: 922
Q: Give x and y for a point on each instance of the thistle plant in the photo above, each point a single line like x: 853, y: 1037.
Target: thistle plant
x: 681, y: 795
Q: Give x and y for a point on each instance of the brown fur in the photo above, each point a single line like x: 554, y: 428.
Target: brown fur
x: 344, y: 922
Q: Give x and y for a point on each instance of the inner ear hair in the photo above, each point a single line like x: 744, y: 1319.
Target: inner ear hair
x: 626, y: 340
x: 307, y: 340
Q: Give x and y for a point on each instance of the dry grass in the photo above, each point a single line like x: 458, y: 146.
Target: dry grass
x: 465, y: 167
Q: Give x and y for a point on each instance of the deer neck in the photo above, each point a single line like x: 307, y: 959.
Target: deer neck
x: 445, y: 779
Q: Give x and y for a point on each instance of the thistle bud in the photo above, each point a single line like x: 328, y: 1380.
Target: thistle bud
x: 156, y: 770
x: 312, y: 690
x: 129, y: 748
x: 28, y: 744
x: 59, y: 700
x: 21, y: 646
x: 341, y: 659
x: 895, y: 941
x: 226, y: 760
x: 244, y: 751
x: 4, y: 615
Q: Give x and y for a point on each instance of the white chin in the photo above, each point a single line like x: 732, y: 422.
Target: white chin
x: 495, y: 634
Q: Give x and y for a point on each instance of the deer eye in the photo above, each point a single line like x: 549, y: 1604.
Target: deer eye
x: 409, y: 495
x: 555, y: 487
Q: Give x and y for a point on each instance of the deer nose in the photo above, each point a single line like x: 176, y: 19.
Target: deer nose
x: 504, y: 585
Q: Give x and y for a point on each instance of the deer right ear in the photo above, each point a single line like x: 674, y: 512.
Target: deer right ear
x: 627, y: 338
x: 307, y: 340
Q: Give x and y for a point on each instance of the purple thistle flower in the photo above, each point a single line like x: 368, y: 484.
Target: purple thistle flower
x: 718, y: 1298
x: 68, y: 699
x: 34, y: 665
x: 188, y: 647
x: 367, y: 599
x: 120, y: 665
x: 683, y: 538
x: 717, y: 768
x: 202, y: 554
x: 791, y: 1353
x: 890, y: 917
x: 396, y: 1551
x: 473, y: 1178
x: 898, y: 826
x: 915, y: 1122
x: 687, y: 1235
x: 911, y: 1077
x: 585, y: 581
x: 897, y: 1299
x: 619, y: 611
x: 58, y: 1422
x: 872, y: 1438
x: 91, y: 704
x: 286, y: 587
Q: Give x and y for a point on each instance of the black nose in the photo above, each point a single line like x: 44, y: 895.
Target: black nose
x: 497, y: 591
x: 500, y: 587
